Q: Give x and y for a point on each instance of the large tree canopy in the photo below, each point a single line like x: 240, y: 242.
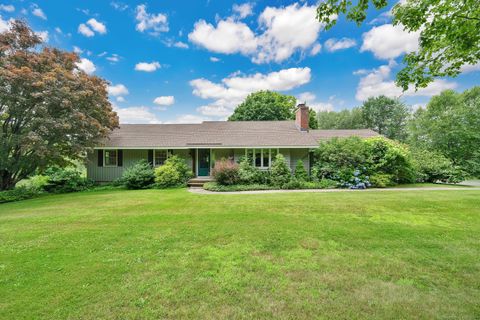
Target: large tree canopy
x: 344, y: 119
x: 386, y: 116
x: 50, y: 111
x: 449, y: 37
x: 450, y: 124
x: 269, y: 106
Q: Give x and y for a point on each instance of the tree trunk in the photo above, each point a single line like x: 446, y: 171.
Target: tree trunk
x: 7, y: 181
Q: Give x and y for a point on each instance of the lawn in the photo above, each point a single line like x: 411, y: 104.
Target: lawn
x: 171, y: 254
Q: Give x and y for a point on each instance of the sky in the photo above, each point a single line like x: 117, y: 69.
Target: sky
x: 190, y: 61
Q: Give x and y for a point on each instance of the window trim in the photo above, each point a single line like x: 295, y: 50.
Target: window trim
x: 155, y: 156
x: 105, y: 157
x: 262, y: 156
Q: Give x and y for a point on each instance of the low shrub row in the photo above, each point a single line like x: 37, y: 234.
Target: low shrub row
x: 291, y: 185
x: 173, y: 173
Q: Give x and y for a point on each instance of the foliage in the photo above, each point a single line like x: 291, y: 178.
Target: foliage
x: 36, y: 181
x: 62, y: 180
x: 344, y: 119
x: 302, y: 184
x: 214, y: 186
x: 300, y: 172
x: 226, y: 172
x: 432, y: 166
x: 19, y: 193
x: 249, y: 174
x: 173, y: 173
x: 139, y: 176
x: 312, y: 119
x: 336, y: 155
x: 381, y: 180
x: 449, y: 37
x: 51, y: 112
x: 390, y: 157
x: 265, y: 105
x: 386, y: 116
x: 351, y: 161
x: 280, y: 172
x: 450, y: 125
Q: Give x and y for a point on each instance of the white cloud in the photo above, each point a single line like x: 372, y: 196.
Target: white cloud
x: 388, y: 41
x: 86, y: 66
x: 156, y: 23
x: 113, y: 58
x: 189, y: 118
x: 317, y: 47
x: 85, y: 30
x: 120, y: 6
x: 377, y: 82
x: 227, y: 37
x: 470, y: 68
x: 233, y: 89
x: 117, y: 90
x: 4, y: 25
x: 58, y: 30
x: 164, y: 100
x: 7, y: 8
x: 243, y: 10
x: 136, y: 115
x: 147, y: 66
x: 286, y: 30
x: 214, y: 59
x: 38, y: 12
x: 310, y: 99
x: 333, y: 44
x: 77, y: 50
x: 120, y: 99
x: 282, y: 32
x: 97, y: 26
x: 180, y: 44
x: 43, y: 35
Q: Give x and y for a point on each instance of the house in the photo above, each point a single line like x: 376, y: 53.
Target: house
x: 201, y: 144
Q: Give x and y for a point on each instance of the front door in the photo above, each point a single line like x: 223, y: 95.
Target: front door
x: 203, y: 162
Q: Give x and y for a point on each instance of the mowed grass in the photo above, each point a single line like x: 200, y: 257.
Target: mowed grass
x: 171, y: 254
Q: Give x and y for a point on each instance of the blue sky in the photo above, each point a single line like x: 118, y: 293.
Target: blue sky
x: 177, y: 61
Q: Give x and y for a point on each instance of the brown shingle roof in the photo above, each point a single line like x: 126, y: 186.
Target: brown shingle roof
x: 222, y: 134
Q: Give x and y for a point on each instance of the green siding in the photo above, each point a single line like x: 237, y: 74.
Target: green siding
x: 130, y: 157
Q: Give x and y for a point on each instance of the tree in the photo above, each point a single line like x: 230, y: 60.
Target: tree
x: 344, y: 119
x: 264, y: 106
x: 449, y: 37
x: 312, y: 119
x: 50, y: 111
x: 450, y: 124
x: 386, y: 116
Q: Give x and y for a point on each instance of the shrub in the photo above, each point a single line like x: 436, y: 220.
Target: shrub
x: 390, y: 157
x: 434, y: 167
x: 19, y: 193
x: 139, y: 176
x: 214, y: 186
x: 226, y: 172
x: 280, y: 172
x: 381, y: 180
x: 173, y: 173
x: 300, y: 172
x: 302, y: 184
x: 61, y: 180
x: 37, y: 182
x: 351, y: 161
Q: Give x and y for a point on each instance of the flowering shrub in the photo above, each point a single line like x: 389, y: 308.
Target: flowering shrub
x: 226, y: 172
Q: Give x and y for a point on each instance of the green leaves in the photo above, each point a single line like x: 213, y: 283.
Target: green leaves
x: 449, y: 38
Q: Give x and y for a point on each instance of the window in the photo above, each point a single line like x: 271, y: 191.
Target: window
x: 261, y: 158
x: 111, y: 158
x: 160, y: 157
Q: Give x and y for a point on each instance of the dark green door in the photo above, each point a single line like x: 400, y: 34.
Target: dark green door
x: 203, y: 162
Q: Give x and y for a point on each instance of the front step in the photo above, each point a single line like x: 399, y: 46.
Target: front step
x: 198, y: 182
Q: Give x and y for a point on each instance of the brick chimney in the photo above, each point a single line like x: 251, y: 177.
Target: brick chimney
x: 302, y: 117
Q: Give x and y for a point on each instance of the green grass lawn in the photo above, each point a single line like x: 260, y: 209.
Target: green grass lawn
x: 171, y: 254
